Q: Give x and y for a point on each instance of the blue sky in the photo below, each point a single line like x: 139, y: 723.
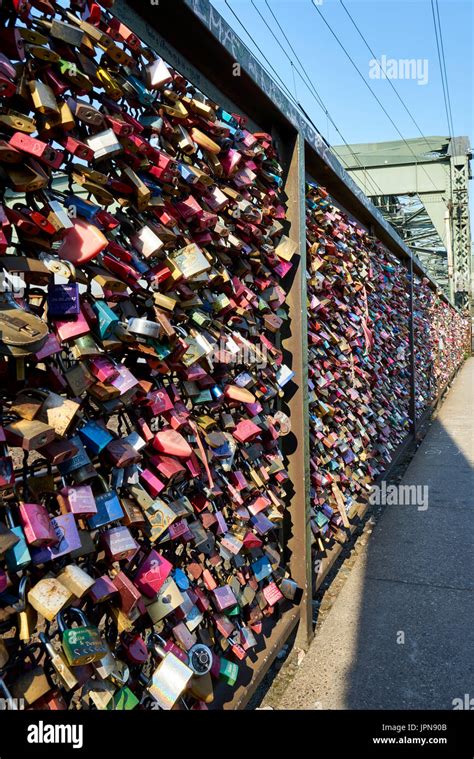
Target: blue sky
x: 394, y: 28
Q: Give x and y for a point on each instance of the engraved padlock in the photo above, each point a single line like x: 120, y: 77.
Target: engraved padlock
x: 82, y: 644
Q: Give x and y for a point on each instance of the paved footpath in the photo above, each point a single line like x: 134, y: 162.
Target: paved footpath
x: 400, y: 635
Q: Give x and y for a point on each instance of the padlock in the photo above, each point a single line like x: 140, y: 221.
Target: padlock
x: 67, y: 540
x: 29, y: 435
x: 37, y: 524
x: 67, y: 678
x: 95, y: 436
x: 106, y: 319
x: 108, y: 506
x: 119, y: 544
x: 130, y: 596
x: 77, y: 500
x: 134, y: 647
x: 27, y: 616
x: 31, y: 684
x: 48, y: 597
x: 103, y: 589
x: 82, y: 242
x: 83, y: 644
x: 76, y: 580
x: 22, y: 333
x: 63, y: 300
x: 152, y: 573
x: 56, y: 411
x: 171, y: 677
x: 18, y: 556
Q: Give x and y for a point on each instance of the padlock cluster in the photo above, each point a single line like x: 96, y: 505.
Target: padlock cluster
x: 142, y: 480
x: 359, y: 356
x: 441, y: 342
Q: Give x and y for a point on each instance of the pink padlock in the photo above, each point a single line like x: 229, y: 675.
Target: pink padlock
x: 37, y: 526
x: 69, y: 330
x: 102, y: 368
x: 172, y: 443
x: 82, y: 242
x: 78, y: 500
x: 230, y: 161
x: 152, y: 573
x: 151, y: 482
x: 167, y: 466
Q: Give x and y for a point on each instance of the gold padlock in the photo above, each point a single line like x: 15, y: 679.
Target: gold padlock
x: 110, y: 85
x: 28, y: 616
x: 43, y: 98
x: 143, y: 192
x: 49, y: 596
x: 43, y: 53
x: 58, y: 412
x: 34, y: 38
x: 167, y: 302
x: 31, y: 685
x: 29, y: 435
x: 76, y: 580
x: 27, y: 178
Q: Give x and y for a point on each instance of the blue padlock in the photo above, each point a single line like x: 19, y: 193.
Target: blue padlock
x: 180, y: 579
x: 153, y: 122
x: 262, y: 568
x: 108, y: 505
x: 106, y: 319
x: 156, y: 189
x: 163, y: 351
x: 63, y: 300
x: 189, y: 176
x: 139, y: 265
x: 226, y: 117
x: 144, y: 96
x: 95, y: 437
x: 79, y: 459
x: 82, y: 207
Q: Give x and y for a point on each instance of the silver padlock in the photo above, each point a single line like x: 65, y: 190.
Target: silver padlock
x: 144, y: 328
x: 104, y: 144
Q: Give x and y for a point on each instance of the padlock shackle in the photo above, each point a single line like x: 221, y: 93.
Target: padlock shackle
x: 11, y: 524
x: 156, y: 644
x: 5, y: 691
x: 23, y: 588
x: 75, y: 612
x: 47, y: 645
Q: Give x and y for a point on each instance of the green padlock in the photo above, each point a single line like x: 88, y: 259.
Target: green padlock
x: 83, y: 644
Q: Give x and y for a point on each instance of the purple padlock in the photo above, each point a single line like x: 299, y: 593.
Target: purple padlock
x: 63, y: 300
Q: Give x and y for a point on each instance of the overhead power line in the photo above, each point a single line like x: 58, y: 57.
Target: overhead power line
x: 310, y: 85
x: 388, y: 80
x: 316, y: 8
x: 442, y: 67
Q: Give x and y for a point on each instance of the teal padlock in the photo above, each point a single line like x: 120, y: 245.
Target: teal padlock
x: 144, y: 96
x: 229, y: 671
x: 106, y: 319
x: 18, y: 556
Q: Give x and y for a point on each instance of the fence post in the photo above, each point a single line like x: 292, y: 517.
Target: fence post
x: 412, y: 354
x: 295, y: 346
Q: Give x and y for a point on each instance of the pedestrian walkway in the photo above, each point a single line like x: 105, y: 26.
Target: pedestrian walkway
x: 400, y: 635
